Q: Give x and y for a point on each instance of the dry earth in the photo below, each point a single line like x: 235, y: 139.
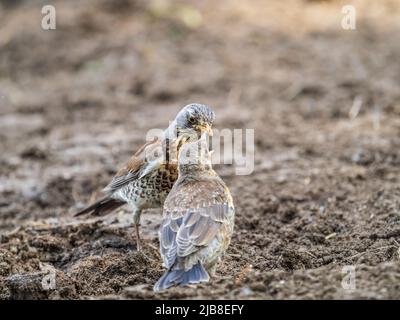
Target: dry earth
x: 76, y: 102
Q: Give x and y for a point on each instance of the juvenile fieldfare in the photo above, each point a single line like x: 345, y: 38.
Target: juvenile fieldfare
x: 198, y: 220
x: 146, y: 179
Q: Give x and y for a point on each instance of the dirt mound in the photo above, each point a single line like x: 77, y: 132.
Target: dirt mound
x: 77, y: 101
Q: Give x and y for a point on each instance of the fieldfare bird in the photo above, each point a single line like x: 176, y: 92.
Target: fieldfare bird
x: 147, y: 178
x: 198, y: 220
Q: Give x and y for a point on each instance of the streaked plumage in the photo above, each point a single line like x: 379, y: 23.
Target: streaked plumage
x: 145, y: 180
x: 197, y: 224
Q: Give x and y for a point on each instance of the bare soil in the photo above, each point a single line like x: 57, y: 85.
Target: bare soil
x: 77, y: 101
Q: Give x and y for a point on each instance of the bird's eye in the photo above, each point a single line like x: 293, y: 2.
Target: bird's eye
x: 192, y: 119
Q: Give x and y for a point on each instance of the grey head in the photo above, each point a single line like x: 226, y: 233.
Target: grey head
x: 193, y: 120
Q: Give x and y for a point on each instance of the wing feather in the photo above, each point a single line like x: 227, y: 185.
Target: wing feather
x: 168, y: 246
x: 134, y: 168
x: 187, y: 229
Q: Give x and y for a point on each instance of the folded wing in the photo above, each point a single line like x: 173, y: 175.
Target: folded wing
x: 135, y: 167
x: 186, y: 231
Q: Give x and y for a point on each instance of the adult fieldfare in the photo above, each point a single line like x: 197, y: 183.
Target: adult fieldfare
x: 147, y: 178
x: 198, y: 220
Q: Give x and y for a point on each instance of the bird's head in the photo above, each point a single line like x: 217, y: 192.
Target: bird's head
x: 193, y: 121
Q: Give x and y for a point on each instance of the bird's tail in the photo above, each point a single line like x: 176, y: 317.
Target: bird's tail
x: 171, y: 278
x: 101, y: 207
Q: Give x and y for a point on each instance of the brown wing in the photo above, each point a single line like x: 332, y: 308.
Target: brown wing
x: 193, y: 216
x: 134, y: 168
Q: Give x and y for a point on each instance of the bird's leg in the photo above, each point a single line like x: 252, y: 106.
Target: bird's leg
x: 212, y: 270
x: 138, y: 243
x: 136, y: 221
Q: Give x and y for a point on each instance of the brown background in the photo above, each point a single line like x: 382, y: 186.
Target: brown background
x: 76, y: 102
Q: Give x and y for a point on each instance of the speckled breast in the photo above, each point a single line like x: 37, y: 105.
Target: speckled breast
x: 151, y: 190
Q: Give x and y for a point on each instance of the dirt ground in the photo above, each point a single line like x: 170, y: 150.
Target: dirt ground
x: 77, y: 101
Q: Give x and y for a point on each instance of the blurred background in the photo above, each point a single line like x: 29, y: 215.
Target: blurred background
x: 77, y: 101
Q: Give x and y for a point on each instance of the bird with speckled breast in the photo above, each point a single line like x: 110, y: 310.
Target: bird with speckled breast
x: 146, y: 179
x: 198, y: 220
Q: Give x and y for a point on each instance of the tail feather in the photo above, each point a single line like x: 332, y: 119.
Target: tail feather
x: 172, y: 278
x: 101, y: 207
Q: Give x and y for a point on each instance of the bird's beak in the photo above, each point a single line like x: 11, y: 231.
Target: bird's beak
x: 207, y: 128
